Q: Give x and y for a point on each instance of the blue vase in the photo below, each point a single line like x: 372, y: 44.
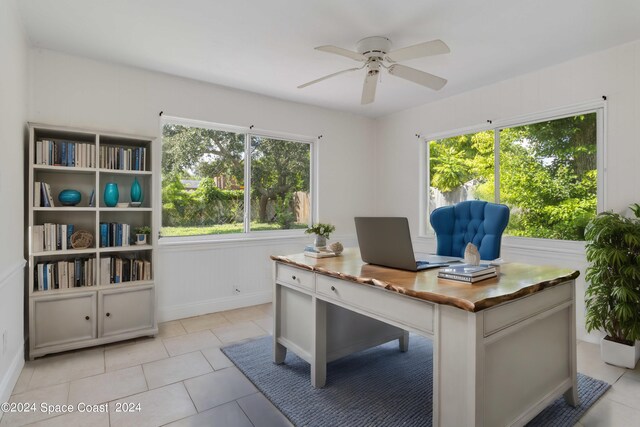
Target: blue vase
x: 69, y: 197
x: 111, y: 194
x: 136, y: 191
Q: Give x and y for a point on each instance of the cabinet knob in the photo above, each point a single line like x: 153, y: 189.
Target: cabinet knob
x: 333, y: 288
x: 293, y: 277
x: 86, y: 318
x: 108, y: 314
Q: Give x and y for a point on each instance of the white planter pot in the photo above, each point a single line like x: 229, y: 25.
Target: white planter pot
x: 320, y: 242
x: 618, y: 354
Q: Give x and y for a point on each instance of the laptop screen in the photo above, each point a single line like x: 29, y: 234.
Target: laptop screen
x: 386, y: 241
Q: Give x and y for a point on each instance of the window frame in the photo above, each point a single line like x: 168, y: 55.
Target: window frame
x: 248, y: 132
x: 599, y: 107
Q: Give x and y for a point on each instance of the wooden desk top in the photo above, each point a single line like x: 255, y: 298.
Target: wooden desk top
x: 515, y: 280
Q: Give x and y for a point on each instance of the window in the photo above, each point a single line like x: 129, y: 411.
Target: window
x: 546, y: 172
x: 222, y: 180
x: 461, y: 168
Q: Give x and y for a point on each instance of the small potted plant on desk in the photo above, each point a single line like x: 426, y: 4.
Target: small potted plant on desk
x: 322, y: 232
x: 141, y: 234
x: 613, y: 292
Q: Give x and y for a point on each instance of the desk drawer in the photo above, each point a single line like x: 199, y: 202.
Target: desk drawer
x: 295, y: 276
x: 379, y: 302
x: 505, y: 315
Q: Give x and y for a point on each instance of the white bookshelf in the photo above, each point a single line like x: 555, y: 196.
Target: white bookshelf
x: 66, y: 318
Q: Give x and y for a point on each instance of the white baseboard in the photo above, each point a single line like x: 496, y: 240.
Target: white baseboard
x: 211, y: 306
x: 11, y: 376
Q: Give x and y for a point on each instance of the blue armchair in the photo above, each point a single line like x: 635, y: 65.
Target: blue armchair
x: 475, y: 221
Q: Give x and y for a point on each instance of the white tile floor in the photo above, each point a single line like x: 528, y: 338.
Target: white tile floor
x: 181, y: 378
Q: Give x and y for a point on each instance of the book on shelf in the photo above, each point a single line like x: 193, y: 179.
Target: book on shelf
x: 63, y: 154
x: 44, y: 200
x: 114, y: 234
x: 51, y: 152
x: 39, y: 159
x: 117, y: 269
x: 123, y: 158
x: 42, y: 196
x: 37, y: 197
x: 70, y: 231
x: 64, y: 274
x: 51, y: 237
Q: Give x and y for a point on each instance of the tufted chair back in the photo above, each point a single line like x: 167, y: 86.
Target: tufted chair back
x: 475, y: 221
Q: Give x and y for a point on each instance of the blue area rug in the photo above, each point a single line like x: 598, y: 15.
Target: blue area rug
x: 376, y: 387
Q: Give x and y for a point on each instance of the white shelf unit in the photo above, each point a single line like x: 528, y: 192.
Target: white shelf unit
x: 69, y: 318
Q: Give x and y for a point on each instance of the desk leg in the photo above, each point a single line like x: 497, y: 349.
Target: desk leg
x: 403, y: 342
x: 571, y: 395
x: 279, y: 351
x: 319, y: 345
x: 457, y: 368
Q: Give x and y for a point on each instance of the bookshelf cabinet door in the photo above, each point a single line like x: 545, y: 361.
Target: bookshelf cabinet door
x: 128, y: 310
x: 63, y: 320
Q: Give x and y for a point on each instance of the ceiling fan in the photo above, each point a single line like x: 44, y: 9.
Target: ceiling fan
x: 375, y: 51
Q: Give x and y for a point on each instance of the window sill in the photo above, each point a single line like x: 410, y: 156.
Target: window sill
x: 240, y: 239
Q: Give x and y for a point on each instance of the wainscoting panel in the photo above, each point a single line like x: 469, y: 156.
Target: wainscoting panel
x: 204, y: 278
x: 11, y: 326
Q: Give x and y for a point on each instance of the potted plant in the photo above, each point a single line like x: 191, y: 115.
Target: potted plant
x: 141, y: 234
x: 322, y: 232
x: 613, y: 292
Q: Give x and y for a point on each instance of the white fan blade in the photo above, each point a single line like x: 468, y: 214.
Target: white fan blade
x: 434, y: 47
x: 327, y: 77
x: 342, y: 52
x: 369, y: 88
x: 417, y: 76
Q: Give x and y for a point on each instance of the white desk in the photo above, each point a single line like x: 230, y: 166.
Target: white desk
x: 502, y: 350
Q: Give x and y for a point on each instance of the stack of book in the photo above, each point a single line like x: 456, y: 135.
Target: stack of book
x: 114, y: 234
x: 123, y: 158
x: 64, y: 274
x: 42, y: 196
x: 468, y: 273
x: 116, y: 269
x: 51, y: 237
x: 65, y: 153
x: 313, y: 252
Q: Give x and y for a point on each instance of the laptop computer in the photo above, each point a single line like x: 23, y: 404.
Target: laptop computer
x: 386, y: 241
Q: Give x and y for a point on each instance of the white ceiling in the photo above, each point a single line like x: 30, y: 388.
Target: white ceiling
x: 266, y: 46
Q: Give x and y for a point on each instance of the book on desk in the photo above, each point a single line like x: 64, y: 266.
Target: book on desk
x: 313, y: 252
x: 468, y: 273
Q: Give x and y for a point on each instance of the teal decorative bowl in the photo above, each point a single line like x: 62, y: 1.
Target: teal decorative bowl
x: 69, y: 197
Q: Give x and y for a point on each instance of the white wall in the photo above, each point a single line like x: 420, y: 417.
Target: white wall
x: 67, y: 90
x: 73, y: 91
x: 13, y: 109
x: 614, y: 73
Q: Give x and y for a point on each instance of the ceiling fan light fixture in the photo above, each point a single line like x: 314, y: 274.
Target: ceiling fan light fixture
x: 374, y: 47
x: 373, y: 51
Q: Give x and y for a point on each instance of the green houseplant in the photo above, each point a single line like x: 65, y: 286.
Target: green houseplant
x: 322, y: 232
x: 141, y: 234
x: 613, y: 277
